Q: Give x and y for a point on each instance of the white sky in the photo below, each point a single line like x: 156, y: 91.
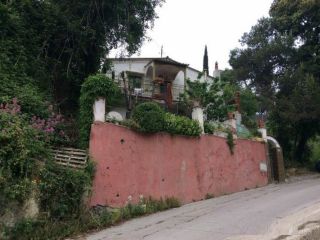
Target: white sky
x: 185, y: 26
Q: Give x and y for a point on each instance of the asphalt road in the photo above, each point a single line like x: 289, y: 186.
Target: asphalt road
x: 253, y: 214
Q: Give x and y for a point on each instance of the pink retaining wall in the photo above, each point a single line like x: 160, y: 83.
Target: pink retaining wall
x: 161, y: 165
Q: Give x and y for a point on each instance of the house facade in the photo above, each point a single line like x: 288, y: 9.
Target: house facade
x: 159, y: 79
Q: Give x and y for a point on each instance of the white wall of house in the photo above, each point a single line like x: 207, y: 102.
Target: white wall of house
x: 129, y: 65
x: 140, y: 66
x: 178, y: 85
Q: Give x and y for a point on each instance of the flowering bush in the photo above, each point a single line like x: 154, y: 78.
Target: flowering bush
x: 12, y: 108
x: 23, y: 144
x: 21, y: 147
x: 52, y: 128
x: 27, y: 169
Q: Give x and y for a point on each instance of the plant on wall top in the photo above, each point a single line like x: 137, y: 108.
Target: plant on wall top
x: 94, y: 86
x: 149, y: 116
x: 211, y: 96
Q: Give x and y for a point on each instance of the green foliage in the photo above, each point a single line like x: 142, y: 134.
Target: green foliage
x: 131, y: 211
x: 149, y: 116
x: 230, y: 142
x: 216, y: 98
x: 209, y: 128
x: 315, y: 150
x: 196, y: 92
x: 181, y: 125
x: 45, y: 229
x: 279, y: 61
x: 248, y: 103
x: 31, y: 99
x: 250, y: 123
x: 48, y: 43
x: 94, y: 87
x: 153, y: 205
x: 50, y: 229
x: 217, y: 102
x: 129, y: 123
x: 24, y: 228
x: 61, y: 191
x: 19, y: 157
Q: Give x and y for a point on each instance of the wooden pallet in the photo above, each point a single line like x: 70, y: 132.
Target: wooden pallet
x: 70, y: 157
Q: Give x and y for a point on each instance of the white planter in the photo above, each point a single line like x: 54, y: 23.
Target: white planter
x: 197, y: 114
x: 99, y: 110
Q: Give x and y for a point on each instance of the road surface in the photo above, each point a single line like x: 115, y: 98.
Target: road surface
x: 264, y: 213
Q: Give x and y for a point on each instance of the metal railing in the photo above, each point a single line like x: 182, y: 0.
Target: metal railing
x: 148, y: 89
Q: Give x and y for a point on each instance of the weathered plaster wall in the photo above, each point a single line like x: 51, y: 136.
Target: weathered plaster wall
x: 160, y: 165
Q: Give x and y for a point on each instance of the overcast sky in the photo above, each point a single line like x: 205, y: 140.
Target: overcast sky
x: 185, y: 26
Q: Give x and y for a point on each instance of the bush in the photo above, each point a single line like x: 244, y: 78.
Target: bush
x: 47, y: 229
x: 61, y: 191
x: 153, y: 205
x: 21, y: 148
x: 209, y: 128
x: 32, y: 100
x: 129, y: 123
x: 181, y: 125
x: 149, y: 116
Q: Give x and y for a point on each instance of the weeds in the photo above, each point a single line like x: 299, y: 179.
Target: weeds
x: 209, y: 196
x: 49, y: 229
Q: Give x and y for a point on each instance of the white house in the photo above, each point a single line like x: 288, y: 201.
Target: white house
x: 160, y: 79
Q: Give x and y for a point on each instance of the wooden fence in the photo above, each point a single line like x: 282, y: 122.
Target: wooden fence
x: 70, y: 157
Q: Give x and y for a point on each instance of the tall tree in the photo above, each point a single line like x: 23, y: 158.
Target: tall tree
x: 206, y: 61
x: 280, y: 61
x: 59, y: 43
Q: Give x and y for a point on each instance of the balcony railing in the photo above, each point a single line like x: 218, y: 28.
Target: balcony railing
x: 150, y: 90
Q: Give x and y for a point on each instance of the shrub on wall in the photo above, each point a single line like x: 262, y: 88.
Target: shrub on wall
x: 149, y: 116
x: 94, y: 86
x: 209, y: 128
x: 181, y: 125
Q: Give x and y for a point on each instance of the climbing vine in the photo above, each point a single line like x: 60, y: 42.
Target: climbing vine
x: 230, y: 142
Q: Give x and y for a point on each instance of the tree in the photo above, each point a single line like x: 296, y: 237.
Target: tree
x: 210, y: 96
x: 56, y: 44
x: 280, y: 62
x: 206, y: 61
